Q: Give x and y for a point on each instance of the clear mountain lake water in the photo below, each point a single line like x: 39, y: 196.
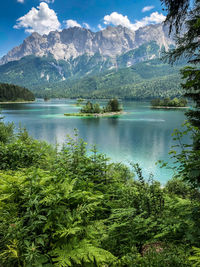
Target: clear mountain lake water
x: 142, y: 135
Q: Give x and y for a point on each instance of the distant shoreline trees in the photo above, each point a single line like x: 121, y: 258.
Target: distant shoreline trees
x: 167, y: 102
x: 12, y: 93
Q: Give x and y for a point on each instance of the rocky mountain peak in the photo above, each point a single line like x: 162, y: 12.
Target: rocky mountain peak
x: 76, y: 41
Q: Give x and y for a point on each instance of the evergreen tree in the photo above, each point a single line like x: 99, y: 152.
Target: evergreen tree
x: 188, y: 46
x: 11, y: 92
x: 113, y: 105
x: 88, y: 108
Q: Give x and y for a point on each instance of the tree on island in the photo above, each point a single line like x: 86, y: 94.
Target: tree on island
x: 96, y: 108
x: 112, y: 106
x: 88, y: 108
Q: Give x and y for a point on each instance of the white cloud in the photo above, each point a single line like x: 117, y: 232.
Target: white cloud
x: 20, y: 1
x: 86, y: 25
x: 41, y: 19
x: 100, y: 27
x: 71, y: 23
x: 118, y: 19
x: 48, y: 1
x: 147, y: 8
x: 155, y: 17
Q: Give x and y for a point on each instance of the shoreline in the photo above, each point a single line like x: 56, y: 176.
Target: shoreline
x: 95, y: 115
x: 164, y: 107
x: 16, y: 102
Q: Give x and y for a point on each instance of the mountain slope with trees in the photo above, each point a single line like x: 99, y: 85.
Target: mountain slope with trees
x: 136, y: 74
x: 11, y: 92
x: 145, y: 80
x: 48, y: 70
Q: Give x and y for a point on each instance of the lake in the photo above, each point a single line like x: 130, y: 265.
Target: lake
x: 143, y: 135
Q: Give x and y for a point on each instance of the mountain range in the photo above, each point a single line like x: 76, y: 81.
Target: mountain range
x: 74, y: 42
x: 43, y: 61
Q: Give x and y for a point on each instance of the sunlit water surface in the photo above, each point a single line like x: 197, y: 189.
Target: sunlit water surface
x: 142, y: 135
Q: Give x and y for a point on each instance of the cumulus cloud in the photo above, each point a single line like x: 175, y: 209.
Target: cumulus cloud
x: 100, y: 27
x: 41, y: 19
x: 147, y: 8
x: 86, y: 25
x: 48, y: 1
x: 71, y: 23
x: 118, y: 19
x: 20, y: 1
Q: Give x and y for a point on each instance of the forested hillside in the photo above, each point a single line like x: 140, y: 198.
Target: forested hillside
x: 11, y: 92
x: 144, y: 80
x: 47, y: 69
x: 136, y: 74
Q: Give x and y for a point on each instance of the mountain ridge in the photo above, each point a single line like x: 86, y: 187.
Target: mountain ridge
x: 36, y: 70
x: 73, y: 42
x: 68, y: 63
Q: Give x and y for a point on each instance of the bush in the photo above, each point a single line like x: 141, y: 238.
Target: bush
x: 69, y: 208
x: 6, y: 132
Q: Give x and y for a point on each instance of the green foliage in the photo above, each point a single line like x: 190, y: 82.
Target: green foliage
x: 187, y: 46
x: 23, y: 151
x: 48, y: 220
x: 195, y: 259
x: 177, y: 187
x: 71, y: 208
x: 47, y: 70
x: 191, y: 89
x: 96, y: 108
x: 10, y: 92
x: 113, y: 105
x: 167, y: 256
x: 188, y: 158
x: 6, y: 132
x: 145, y: 80
x: 90, y: 108
x: 167, y: 102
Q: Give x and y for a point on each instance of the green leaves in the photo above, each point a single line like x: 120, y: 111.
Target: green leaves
x: 46, y: 216
x: 82, y: 254
x: 73, y: 209
x: 195, y: 259
x: 25, y: 153
x: 6, y: 132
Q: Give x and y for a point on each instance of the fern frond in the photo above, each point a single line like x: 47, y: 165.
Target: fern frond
x: 81, y: 253
x: 196, y: 258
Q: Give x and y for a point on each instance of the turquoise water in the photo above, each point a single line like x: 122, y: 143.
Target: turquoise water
x: 143, y: 135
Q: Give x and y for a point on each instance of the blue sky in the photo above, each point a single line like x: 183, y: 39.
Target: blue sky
x: 18, y: 18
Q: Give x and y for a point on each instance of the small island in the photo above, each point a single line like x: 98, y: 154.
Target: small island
x: 168, y: 103
x: 10, y: 93
x: 112, y: 108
